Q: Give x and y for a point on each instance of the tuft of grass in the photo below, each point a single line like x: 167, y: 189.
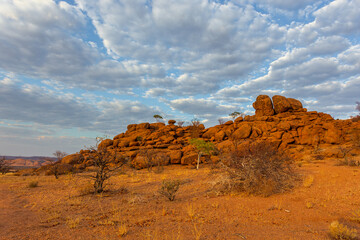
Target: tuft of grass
x: 339, y: 231
x: 122, y: 230
x: 72, y: 223
x: 33, y: 184
x: 169, y: 188
x: 356, y: 216
x: 308, y: 181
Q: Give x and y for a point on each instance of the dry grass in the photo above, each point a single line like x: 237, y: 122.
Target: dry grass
x: 58, y: 207
x: 308, y: 181
x: 341, y: 232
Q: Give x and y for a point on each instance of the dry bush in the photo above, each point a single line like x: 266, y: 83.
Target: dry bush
x: 341, y: 232
x: 4, y: 166
x: 33, y: 184
x: 58, y: 169
x: 347, y: 160
x: 169, y: 188
x: 195, y: 130
x: 260, y: 169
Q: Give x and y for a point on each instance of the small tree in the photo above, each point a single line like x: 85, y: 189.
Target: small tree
x: 235, y: 114
x: 202, y: 147
x: 103, y: 160
x: 158, y: 117
x: 221, y: 121
x: 4, y: 166
x: 55, y: 167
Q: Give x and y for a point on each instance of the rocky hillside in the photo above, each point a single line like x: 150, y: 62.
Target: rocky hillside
x: 280, y: 120
x: 19, y: 162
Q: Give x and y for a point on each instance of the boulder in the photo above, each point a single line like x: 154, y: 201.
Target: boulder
x: 242, y: 132
x: 295, y: 104
x: 189, y: 159
x: 171, y: 122
x: 263, y: 106
x: 143, y: 126
x: 105, y: 143
x: 175, y: 156
x: 72, y: 159
x: 220, y: 136
x: 281, y: 104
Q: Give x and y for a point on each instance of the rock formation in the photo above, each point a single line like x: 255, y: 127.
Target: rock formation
x: 282, y: 121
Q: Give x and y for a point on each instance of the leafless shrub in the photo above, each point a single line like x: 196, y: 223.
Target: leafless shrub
x: 55, y: 168
x: 221, y: 121
x: 180, y: 123
x: 345, y: 159
x: 105, y: 162
x: 261, y: 169
x: 4, y: 166
x: 195, y: 128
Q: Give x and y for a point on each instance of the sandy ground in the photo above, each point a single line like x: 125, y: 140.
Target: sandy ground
x: 133, y: 208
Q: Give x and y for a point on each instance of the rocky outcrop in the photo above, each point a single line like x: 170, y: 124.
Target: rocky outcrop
x: 263, y: 106
x: 282, y: 121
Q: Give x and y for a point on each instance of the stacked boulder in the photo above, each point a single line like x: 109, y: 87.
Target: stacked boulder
x: 280, y: 120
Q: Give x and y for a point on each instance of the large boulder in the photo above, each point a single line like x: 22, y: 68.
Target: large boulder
x: 242, y: 132
x: 72, y: 159
x: 189, y: 159
x: 105, y: 143
x: 281, y: 104
x: 175, y: 156
x: 295, y: 104
x: 263, y: 106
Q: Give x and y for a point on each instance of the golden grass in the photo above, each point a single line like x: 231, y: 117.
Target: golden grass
x: 341, y: 232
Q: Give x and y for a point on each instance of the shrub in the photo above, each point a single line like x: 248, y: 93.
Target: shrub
x: 260, y: 169
x: 202, y: 147
x: 342, y: 232
x: 33, y: 184
x: 4, y: 166
x: 169, y: 188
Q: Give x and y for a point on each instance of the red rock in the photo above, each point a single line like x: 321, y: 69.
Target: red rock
x: 242, y: 132
x: 281, y: 104
x: 189, y: 159
x: 220, y: 136
x: 263, y: 106
x: 105, y: 143
x: 131, y: 127
x: 72, y: 159
x: 134, y: 144
x: 229, y: 122
x: 142, y: 126
x: 295, y: 104
x: 211, y: 132
x: 175, y: 156
x: 171, y: 122
x: 157, y: 126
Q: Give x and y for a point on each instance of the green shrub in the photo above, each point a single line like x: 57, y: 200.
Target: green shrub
x: 169, y: 188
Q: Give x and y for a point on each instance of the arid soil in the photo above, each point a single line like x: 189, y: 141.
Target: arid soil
x: 132, y: 208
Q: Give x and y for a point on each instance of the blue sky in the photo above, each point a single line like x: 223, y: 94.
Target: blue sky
x: 74, y: 70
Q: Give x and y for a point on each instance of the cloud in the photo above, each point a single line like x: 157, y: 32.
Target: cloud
x: 206, y: 41
x: 201, y: 108
x: 30, y: 103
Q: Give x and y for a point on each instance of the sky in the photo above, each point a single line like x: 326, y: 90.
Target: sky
x: 71, y: 71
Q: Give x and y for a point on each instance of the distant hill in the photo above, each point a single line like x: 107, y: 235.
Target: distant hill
x: 19, y: 162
